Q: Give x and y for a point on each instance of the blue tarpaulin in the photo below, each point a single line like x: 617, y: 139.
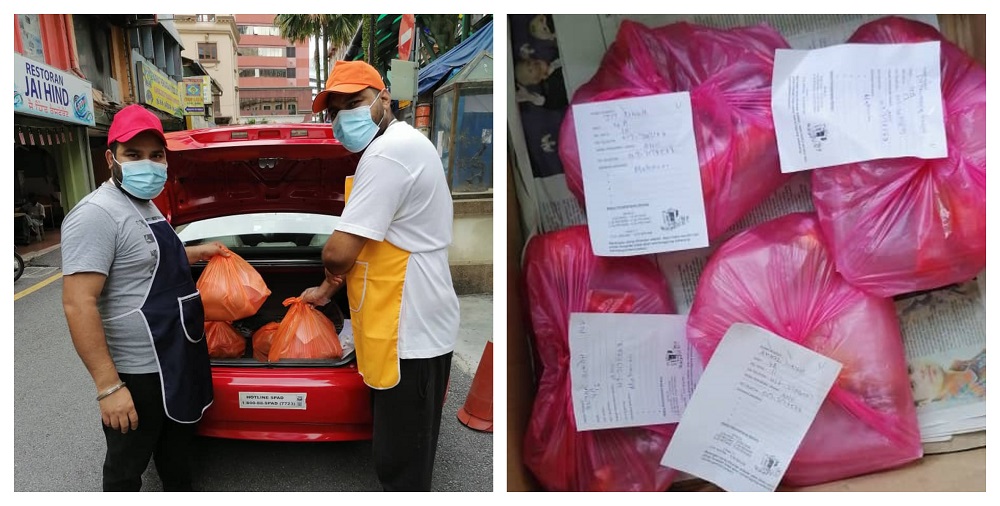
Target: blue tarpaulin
x: 447, y: 64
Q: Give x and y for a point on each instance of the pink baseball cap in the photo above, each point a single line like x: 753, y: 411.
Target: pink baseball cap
x: 131, y: 121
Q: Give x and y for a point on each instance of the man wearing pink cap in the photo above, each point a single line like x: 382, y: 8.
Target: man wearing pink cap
x: 134, y: 314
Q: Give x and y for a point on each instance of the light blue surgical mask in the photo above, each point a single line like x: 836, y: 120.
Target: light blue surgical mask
x: 355, y: 129
x: 143, y: 179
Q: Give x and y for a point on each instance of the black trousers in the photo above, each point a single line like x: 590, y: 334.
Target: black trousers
x: 406, y: 422
x: 169, y: 443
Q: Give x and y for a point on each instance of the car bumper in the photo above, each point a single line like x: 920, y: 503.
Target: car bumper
x: 326, y: 404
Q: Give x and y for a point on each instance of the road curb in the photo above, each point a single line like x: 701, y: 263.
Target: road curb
x: 28, y: 256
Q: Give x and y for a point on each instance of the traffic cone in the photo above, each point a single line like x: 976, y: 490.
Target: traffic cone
x: 477, y: 413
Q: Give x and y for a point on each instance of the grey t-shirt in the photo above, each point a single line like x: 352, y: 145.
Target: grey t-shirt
x: 106, y: 232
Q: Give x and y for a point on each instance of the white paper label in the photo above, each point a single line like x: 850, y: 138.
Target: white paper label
x: 630, y: 370
x: 857, y: 102
x: 640, y: 175
x: 753, y: 405
x: 272, y: 400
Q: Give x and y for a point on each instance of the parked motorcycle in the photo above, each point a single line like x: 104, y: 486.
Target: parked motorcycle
x: 18, y: 265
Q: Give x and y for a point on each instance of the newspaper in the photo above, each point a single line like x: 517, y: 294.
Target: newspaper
x: 944, y: 334
x: 683, y: 269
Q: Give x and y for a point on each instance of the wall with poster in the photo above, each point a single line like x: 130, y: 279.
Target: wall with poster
x: 194, y: 96
x: 157, y: 89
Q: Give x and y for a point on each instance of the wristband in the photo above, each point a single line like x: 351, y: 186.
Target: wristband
x: 119, y: 386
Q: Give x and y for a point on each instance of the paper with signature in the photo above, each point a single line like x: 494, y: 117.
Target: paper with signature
x: 857, y: 102
x: 630, y: 370
x: 752, y: 406
x: 641, y: 176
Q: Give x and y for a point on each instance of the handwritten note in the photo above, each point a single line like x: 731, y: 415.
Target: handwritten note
x: 640, y: 175
x: 857, y: 102
x: 753, y: 405
x: 630, y: 370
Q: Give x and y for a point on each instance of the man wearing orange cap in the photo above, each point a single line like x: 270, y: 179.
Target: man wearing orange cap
x: 134, y: 314
x: 392, y: 245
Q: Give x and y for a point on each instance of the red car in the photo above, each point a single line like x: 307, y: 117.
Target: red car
x: 273, y: 195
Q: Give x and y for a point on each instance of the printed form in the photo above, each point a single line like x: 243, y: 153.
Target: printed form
x: 857, y: 102
x: 641, y: 176
x: 753, y: 405
x: 630, y: 370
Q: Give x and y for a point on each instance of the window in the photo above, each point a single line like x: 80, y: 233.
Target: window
x: 272, y: 72
x: 209, y: 18
x: 31, y: 36
x: 291, y: 108
x: 290, y: 51
x: 208, y: 51
x: 248, y: 72
x: 278, y: 106
x: 259, y: 30
x: 267, y: 107
x: 290, y: 72
x: 261, y: 51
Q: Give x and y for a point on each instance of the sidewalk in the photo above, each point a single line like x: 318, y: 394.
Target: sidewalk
x: 38, y: 248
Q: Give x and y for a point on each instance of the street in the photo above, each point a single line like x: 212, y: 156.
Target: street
x: 59, y: 446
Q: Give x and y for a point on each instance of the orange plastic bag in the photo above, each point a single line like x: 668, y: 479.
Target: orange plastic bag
x: 223, y: 340
x: 262, y: 341
x: 231, y: 289
x: 304, y: 333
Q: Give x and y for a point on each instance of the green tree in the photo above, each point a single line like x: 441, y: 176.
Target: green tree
x: 444, y: 29
x: 340, y: 30
x: 367, y: 38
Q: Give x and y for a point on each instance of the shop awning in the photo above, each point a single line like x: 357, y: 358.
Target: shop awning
x: 452, y: 61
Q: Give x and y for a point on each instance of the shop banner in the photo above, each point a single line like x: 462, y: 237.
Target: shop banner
x: 41, y: 90
x: 158, y: 90
x: 194, y: 98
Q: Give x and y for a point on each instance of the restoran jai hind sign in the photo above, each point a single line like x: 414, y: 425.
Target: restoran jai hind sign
x: 41, y: 90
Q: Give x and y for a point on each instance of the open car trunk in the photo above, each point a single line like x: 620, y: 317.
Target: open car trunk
x: 287, y: 271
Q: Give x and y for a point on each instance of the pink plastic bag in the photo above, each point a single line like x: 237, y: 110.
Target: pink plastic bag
x: 562, y: 276
x: 728, y: 74
x: 779, y: 276
x: 906, y: 224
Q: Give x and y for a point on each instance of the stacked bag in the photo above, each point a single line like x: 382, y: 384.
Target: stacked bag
x: 728, y: 74
x: 231, y: 289
x: 563, y: 276
x: 823, y: 280
x: 906, y: 224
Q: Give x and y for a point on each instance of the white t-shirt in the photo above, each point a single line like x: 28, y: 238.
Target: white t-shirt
x: 400, y: 195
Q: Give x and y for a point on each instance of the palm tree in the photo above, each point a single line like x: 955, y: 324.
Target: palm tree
x: 339, y: 30
x: 367, y: 38
x: 298, y: 28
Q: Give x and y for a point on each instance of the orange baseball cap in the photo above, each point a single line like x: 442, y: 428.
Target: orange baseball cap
x: 348, y: 77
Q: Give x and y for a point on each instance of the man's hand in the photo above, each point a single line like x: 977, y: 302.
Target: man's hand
x: 118, y: 411
x: 320, y: 295
x: 206, y: 251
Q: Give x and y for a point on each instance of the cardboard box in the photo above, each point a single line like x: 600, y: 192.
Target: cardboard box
x: 958, y: 469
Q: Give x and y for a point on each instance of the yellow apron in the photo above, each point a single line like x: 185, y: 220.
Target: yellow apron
x: 375, y: 294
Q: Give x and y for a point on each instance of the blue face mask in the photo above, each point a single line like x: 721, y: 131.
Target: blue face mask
x: 143, y: 179
x: 355, y: 129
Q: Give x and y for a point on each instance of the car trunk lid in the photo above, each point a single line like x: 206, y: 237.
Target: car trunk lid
x: 254, y: 168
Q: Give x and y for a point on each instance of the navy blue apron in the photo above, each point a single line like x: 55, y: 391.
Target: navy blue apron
x: 176, y: 319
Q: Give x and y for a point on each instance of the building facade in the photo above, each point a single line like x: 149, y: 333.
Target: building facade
x: 53, y: 112
x: 72, y: 73
x: 273, y: 73
x: 212, y: 40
